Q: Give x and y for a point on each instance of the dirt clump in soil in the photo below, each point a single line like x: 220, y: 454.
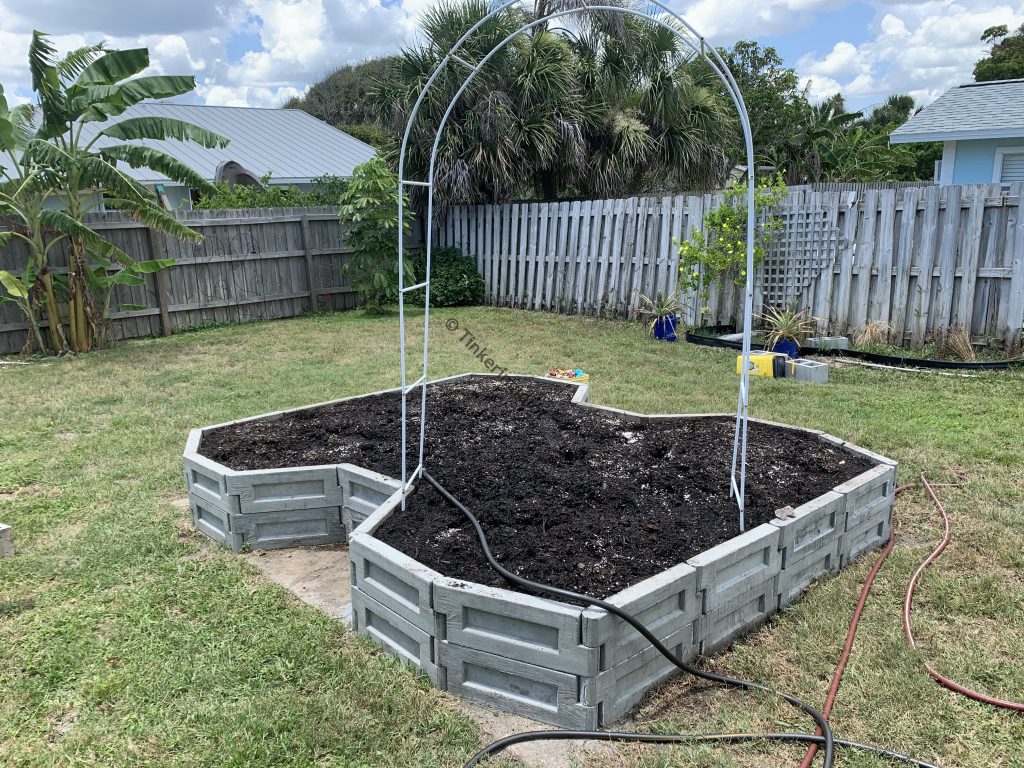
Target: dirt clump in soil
x: 577, y: 497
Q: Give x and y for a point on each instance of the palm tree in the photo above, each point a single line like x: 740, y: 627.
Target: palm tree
x: 602, y: 104
x: 91, y: 85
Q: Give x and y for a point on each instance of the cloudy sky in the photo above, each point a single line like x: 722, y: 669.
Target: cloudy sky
x: 261, y: 52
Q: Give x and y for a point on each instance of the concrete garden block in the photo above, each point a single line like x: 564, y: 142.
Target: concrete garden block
x: 214, y: 522
x: 363, y: 491
x: 665, y: 604
x: 394, y: 634
x: 870, y: 534
x: 6, y: 541
x: 829, y: 342
x: 396, y: 581
x: 740, y: 613
x: 290, y: 528
x: 809, y: 370
x: 812, y: 526
x: 622, y: 687
x: 869, y: 495
x: 798, y: 574
x: 275, y: 490
x: 205, y: 480
x: 517, y: 687
x: 369, y: 524
x: 514, y: 625
x: 743, y: 563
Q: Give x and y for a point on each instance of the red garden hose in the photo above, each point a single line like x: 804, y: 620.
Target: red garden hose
x: 812, y: 749
x: 907, y: 601
x: 837, y: 676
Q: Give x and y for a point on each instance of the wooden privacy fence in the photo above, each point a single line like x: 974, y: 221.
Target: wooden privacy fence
x: 919, y: 259
x: 252, y: 264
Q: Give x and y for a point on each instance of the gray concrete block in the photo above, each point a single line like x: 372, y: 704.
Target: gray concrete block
x: 206, y: 480
x: 869, y: 494
x: 6, y: 541
x: 869, y: 455
x: 396, y: 581
x: 214, y: 522
x: 869, y: 535
x: 515, y: 686
x: 289, y: 528
x: 809, y: 370
x: 813, y: 525
x: 738, y: 565
x: 618, y: 690
x: 280, y: 489
x: 369, y: 524
x: 514, y: 625
x: 740, y: 613
x: 664, y: 603
x: 797, y: 574
x: 829, y: 342
x: 365, y: 489
x: 394, y: 634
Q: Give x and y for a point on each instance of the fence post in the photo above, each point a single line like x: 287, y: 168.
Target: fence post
x: 158, y: 247
x: 310, y: 272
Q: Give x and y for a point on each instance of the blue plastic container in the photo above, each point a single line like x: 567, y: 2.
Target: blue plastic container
x: 787, y: 347
x: 665, y: 328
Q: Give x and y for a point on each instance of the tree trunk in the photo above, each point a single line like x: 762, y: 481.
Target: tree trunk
x: 58, y: 341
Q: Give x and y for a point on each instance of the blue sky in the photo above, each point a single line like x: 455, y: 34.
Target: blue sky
x: 261, y: 52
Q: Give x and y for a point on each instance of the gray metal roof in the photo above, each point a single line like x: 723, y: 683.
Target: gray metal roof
x: 292, y: 145
x: 992, y: 110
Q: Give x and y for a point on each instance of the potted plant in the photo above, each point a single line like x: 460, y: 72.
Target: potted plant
x: 660, y: 315
x: 786, y: 329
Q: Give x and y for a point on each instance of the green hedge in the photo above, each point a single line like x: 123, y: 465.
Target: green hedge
x: 454, y: 281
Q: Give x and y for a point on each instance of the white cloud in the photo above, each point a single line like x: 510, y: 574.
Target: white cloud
x: 921, y: 49
x: 726, y: 21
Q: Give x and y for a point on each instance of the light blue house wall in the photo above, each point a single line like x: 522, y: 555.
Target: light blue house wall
x: 974, y: 160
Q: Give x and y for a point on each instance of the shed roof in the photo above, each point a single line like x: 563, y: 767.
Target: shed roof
x: 991, y: 110
x: 292, y: 145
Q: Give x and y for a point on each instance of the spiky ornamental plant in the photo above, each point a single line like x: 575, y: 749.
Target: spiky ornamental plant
x: 92, y: 85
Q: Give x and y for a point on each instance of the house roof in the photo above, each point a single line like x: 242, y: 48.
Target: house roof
x: 992, y: 110
x: 291, y: 144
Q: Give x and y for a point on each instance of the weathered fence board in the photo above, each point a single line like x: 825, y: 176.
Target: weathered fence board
x: 918, y: 259
x: 251, y: 265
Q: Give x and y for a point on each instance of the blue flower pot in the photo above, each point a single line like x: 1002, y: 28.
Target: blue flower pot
x: 787, y: 347
x: 665, y: 328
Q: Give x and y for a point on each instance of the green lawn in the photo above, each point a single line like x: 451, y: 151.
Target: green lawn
x: 126, y: 639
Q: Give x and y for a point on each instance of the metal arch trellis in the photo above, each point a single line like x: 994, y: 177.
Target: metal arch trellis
x: 698, y: 45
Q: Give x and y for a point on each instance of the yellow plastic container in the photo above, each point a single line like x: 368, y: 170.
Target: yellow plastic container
x: 761, y: 364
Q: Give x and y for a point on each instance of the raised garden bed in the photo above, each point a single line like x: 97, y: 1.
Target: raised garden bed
x: 625, y: 506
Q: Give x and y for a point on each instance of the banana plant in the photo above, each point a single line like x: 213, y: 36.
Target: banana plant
x: 94, y: 84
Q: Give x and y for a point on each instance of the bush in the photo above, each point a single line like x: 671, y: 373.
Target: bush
x: 454, y: 281
x: 327, y: 190
x: 369, y: 220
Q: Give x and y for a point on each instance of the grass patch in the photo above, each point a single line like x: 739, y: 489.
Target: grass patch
x: 122, y: 647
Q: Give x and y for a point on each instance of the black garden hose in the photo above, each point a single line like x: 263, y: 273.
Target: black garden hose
x: 819, y: 720
x: 826, y: 739
x: 698, y: 336
x: 682, y: 738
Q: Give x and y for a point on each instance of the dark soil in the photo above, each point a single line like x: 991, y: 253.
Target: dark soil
x: 568, y: 495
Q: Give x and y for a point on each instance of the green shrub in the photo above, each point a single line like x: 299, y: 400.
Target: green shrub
x: 369, y: 220
x: 454, y: 281
x: 327, y: 190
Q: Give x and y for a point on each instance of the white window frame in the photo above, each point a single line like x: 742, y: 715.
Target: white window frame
x: 997, y: 166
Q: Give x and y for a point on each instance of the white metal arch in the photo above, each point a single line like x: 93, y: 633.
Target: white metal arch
x: 710, y: 55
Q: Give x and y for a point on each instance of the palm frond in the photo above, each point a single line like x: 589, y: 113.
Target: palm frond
x: 74, y: 62
x: 146, y: 157
x: 161, y: 128
x: 60, y: 222
x: 152, y: 215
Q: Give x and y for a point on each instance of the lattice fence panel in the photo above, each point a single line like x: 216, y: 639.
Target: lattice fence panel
x: 806, y: 245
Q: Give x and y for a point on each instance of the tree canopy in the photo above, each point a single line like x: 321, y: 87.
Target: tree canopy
x: 1005, y: 59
